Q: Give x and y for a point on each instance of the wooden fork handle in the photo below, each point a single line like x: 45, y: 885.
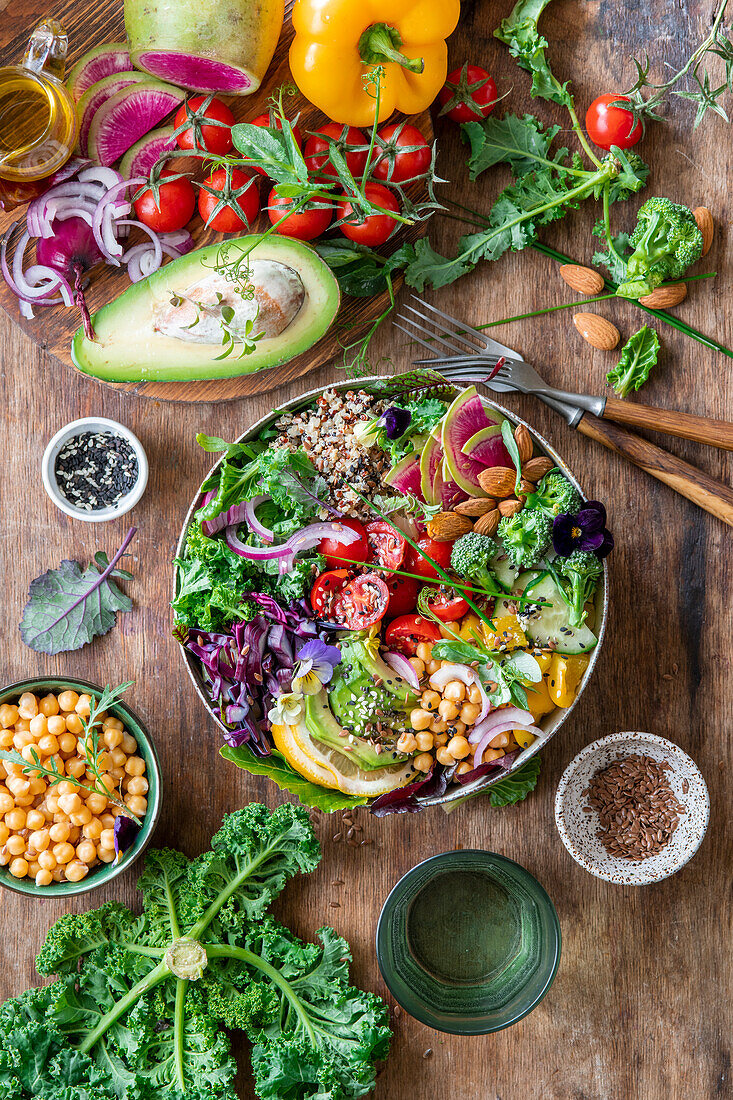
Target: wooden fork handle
x: 717, y: 433
x: 706, y: 492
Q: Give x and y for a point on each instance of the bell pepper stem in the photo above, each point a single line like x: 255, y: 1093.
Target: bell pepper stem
x: 381, y: 43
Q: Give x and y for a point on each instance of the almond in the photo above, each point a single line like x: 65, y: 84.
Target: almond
x: 524, y: 488
x: 536, y: 468
x: 447, y: 526
x: 583, y: 279
x: 706, y: 225
x: 510, y: 507
x: 487, y: 524
x: 597, y: 331
x: 664, y: 297
x: 476, y: 506
x: 523, y: 439
x: 498, y: 481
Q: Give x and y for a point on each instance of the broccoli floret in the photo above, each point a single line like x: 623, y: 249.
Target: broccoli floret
x: 526, y: 536
x: 555, y: 495
x: 582, y: 569
x: 666, y: 242
x: 470, y: 557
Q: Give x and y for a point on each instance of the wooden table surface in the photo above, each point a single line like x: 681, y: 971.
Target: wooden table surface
x: 640, y: 1009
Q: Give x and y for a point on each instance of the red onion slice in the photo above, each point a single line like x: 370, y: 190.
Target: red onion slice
x: 514, y: 714
x: 253, y: 523
x: 310, y: 536
x: 403, y: 668
x: 105, y: 214
x: 253, y: 553
x: 502, y: 727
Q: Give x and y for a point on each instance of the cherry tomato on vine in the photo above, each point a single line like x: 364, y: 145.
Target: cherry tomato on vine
x: 416, y: 562
x: 237, y: 187
x: 607, y: 125
x: 175, y: 206
x: 403, y: 592
x: 469, y: 94
x: 406, y: 633
x: 214, y: 139
x: 335, y: 551
x: 273, y: 122
x: 401, y: 153
x: 317, y: 149
x: 447, y: 604
x: 386, y: 545
x: 305, y: 224
x: 374, y: 229
x: 325, y: 589
x: 362, y: 602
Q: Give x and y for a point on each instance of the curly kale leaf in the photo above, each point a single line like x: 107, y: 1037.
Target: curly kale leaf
x: 519, y: 31
x: 638, y: 357
x: 521, y: 143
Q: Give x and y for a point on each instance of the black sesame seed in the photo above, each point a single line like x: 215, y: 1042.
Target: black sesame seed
x: 94, y: 470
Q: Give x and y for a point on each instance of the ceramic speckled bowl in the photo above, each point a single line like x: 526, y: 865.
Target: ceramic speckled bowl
x: 578, y: 829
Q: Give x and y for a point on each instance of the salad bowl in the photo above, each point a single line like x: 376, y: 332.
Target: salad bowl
x: 390, y: 388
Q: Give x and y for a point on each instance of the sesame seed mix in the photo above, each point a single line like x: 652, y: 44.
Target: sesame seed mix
x: 95, y: 470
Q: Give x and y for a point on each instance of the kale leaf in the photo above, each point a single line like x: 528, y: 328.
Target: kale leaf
x: 638, y: 357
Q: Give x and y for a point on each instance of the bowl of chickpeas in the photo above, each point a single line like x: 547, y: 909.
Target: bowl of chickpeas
x: 57, y: 836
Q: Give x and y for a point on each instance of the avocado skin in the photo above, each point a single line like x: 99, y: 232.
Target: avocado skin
x: 322, y: 726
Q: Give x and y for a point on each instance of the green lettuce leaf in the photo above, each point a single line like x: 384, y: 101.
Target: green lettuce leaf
x: 276, y: 768
x: 516, y: 786
x: 638, y: 357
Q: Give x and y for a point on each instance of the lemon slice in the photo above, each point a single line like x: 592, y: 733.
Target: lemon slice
x: 349, y: 778
x: 304, y: 764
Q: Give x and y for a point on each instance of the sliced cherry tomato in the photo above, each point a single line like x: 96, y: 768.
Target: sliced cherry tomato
x: 401, y: 153
x: 175, y: 207
x: 609, y: 126
x: 271, y: 121
x: 335, y: 552
x: 236, y: 191
x: 386, y: 545
x: 403, y: 592
x: 406, y: 633
x: 469, y: 93
x: 317, y: 149
x: 447, y: 605
x: 362, y: 602
x: 375, y: 229
x: 214, y: 139
x: 416, y: 562
x: 325, y: 589
x: 305, y: 224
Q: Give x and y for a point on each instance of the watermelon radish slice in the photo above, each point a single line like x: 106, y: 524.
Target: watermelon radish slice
x: 451, y: 493
x: 127, y: 116
x: 97, y: 64
x: 95, y: 96
x: 465, y: 417
x: 200, y: 74
x: 487, y: 447
x: 431, y: 462
x: 138, y: 160
x: 405, y: 476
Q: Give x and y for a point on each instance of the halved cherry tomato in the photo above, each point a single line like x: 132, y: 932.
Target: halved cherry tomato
x: 446, y: 604
x: 376, y: 228
x: 386, y: 545
x: 325, y: 589
x: 335, y: 552
x: 177, y: 202
x: 607, y: 125
x: 469, y: 93
x: 403, y: 592
x: 304, y: 224
x: 416, y: 562
x: 237, y: 191
x: 271, y: 121
x: 401, y: 153
x: 362, y: 602
x: 406, y: 633
x: 214, y: 139
x: 317, y: 149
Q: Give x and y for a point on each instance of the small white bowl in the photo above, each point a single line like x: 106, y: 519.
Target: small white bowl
x: 77, y: 427
x: 578, y: 830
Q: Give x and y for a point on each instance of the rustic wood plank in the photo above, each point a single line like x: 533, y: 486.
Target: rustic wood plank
x: 641, y: 1006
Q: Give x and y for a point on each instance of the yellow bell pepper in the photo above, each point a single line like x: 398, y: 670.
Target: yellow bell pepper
x: 564, y: 676
x: 469, y: 623
x: 543, y: 658
x: 338, y: 42
x: 508, y: 633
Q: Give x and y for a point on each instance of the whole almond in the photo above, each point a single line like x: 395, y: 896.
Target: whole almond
x: 488, y: 523
x: 706, y: 225
x: 498, y: 481
x: 525, y: 487
x: 476, y: 506
x: 597, y: 331
x: 664, y: 297
x: 523, y: 439
x: 583, y: 279
x: 447, y: 526
x: 536, y: 468
x: 510, y: 507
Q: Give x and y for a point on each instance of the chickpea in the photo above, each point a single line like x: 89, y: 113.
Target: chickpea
x: 455, y: 691
x: 58, y: 875
x: 27, y: 752
x: 67, y: 743
x: 84, y: 705
x: 107, y: 820
x: 16, y: 819
x: 500, y: 741
x: 105, y: 855
x: 76, y: 871
x: 22, y: 725
x: 107, y: 839
x: 7, y: 803
x: 18, y: 867
x: 491, y: 754
x: 18, y: 786
x: 38, y: 786
x: 39, y: 725
x: 418, y: 665
x: 97, y: 803
x: 112, y: 738
x: 464, y: 767
x: 423, y: 762
x: 4, y: 857
x: 458, y: 747
x: 107, y: 782
x: 424, y: 741
x: 407, y: 742
x: 113, y: 724
x: 74, y: 724
x: 8, y: 715
x: 6, y: 740
x: 86, y: 851
x: 424, y: 652
x: 430, y: 700
x: 47, y: 860
x: 137, y: 785
x: 44, y: 878
x: 69, y: 803
x: 474, y: 694
x: 135, y: 766
x: 420, y: 719
x: 458, y: 727
x: 450, y: 630
x: 444, y: 757
x: 15, y: 844
x: 448, y: 710
x: 4, y: 832
x: 93, y: 829
x: 39, y: 840
x: 74, y: 834
x: 48, y: 745
x: 431, y: 667
x: 118, y: 774
x: 137, y: 804
x: 469, y: 712
x: 56, y: 725
x: 439, y: 725
x: 67, y: 700
x: 441, y: 739
x: 59, y: 831
x: 117, y: 758
x: 52, y: 803
x: 23, y: 738
x: 24, y: 801
x: 64, y: 852
x: 82, y: 816
x: 129, y: 744
x: 49, y: 705
x: 27, y: 705
x: 76, y: 767
x: 34, y: 820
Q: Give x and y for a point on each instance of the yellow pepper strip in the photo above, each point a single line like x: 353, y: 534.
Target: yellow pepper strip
x: 564, y: 676
x: 508, y: 634
x: 338, y: 43
x: 539, y: 703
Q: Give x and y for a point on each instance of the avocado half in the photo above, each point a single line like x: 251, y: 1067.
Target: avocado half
x: 128, y: 348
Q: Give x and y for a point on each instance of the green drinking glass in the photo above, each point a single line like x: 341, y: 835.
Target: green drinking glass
x: 468, y: 942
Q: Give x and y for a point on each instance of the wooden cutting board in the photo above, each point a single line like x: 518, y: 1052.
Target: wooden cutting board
x: 92, y: 24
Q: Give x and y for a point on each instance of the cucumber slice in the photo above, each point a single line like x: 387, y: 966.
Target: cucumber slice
x: 549, y: 626
x: 503, y: 570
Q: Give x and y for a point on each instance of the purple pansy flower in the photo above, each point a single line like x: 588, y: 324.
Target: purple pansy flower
x: 125, y: 831
x: 585, y: 531
x: 396, y: 421
x: 316, y: 662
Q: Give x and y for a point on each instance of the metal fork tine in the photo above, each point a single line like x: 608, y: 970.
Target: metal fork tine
x: 431, y: 334
x: 487, y: 342
x: 456, y: 335
x: 419, y: 339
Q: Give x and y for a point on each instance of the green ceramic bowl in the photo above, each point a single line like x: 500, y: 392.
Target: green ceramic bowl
x: 105, y: 872
x: 414, y: 927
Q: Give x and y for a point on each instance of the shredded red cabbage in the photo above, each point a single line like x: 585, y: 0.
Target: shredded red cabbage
x: 410, y: 799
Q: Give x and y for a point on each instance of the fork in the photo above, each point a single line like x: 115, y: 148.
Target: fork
x: 473, y: 357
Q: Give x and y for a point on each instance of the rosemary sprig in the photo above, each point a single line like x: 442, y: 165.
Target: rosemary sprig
x: 90, y: 738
